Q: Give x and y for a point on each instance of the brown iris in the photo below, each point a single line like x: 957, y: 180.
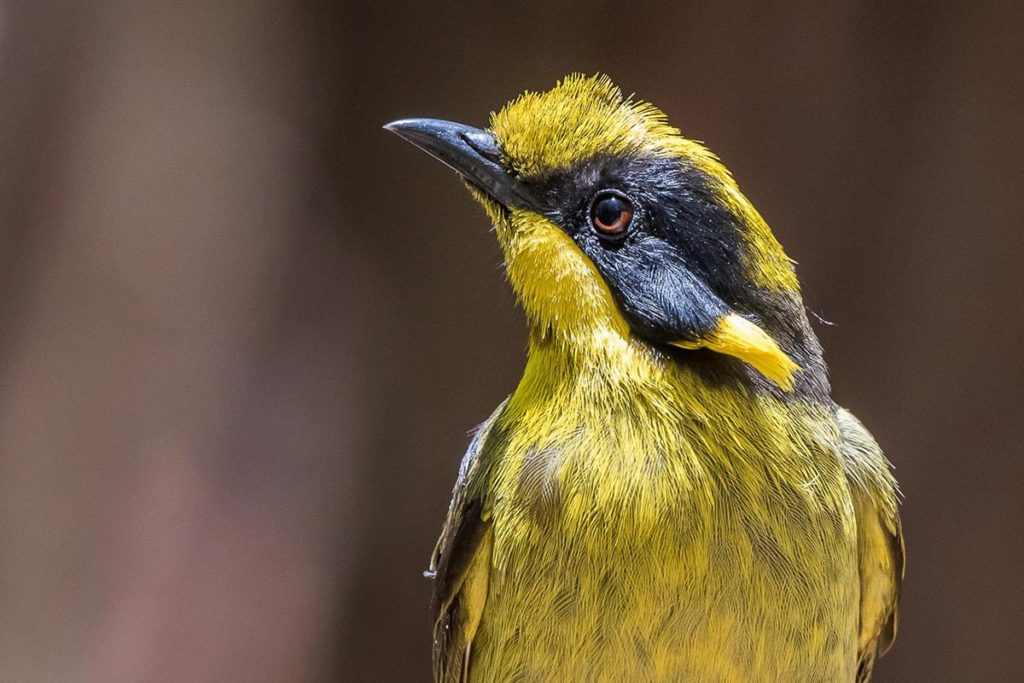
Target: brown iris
x: 611, y: 214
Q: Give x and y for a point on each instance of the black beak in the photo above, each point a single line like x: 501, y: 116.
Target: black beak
x: 472, y: 152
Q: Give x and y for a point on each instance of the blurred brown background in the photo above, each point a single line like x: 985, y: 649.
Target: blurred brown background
x: 244, y: 331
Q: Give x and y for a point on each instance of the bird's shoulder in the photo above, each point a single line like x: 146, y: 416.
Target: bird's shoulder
x: 879, y: 538
x: 460, y: 563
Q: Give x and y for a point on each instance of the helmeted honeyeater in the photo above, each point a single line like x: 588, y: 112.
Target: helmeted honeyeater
x: 670, y: 493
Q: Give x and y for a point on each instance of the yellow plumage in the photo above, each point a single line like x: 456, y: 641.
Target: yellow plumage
x: 626, y: 516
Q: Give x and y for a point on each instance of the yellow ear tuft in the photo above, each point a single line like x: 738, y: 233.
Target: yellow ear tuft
x: 740, y: 338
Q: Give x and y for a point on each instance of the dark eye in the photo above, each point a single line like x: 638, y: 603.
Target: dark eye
x: 611, y: 214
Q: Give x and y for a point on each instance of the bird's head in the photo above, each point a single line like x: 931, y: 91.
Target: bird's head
x: 615, y: 226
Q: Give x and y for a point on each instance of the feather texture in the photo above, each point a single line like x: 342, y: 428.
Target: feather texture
x: 636, y: 511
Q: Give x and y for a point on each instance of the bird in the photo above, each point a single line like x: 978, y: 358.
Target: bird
x: 670, y: 492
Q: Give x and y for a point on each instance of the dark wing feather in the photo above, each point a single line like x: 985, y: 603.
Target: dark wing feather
x: 879, y: 540
x: 461, y: 564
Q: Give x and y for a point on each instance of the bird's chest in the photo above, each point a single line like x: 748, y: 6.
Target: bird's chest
x: 693, y: 555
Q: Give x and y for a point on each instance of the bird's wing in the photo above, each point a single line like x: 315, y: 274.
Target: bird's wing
x: 461, y: 564
x: 879, y: 539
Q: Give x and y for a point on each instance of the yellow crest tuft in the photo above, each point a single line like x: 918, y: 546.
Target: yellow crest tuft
x: 582, y: 116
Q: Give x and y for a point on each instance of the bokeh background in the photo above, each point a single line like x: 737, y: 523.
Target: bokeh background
x: 244, y: 331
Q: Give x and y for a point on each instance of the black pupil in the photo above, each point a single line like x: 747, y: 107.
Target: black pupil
x: 608, y: 211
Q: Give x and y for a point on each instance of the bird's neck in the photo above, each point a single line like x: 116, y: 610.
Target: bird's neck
x: 643, y: 407
x: 598, y: 366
